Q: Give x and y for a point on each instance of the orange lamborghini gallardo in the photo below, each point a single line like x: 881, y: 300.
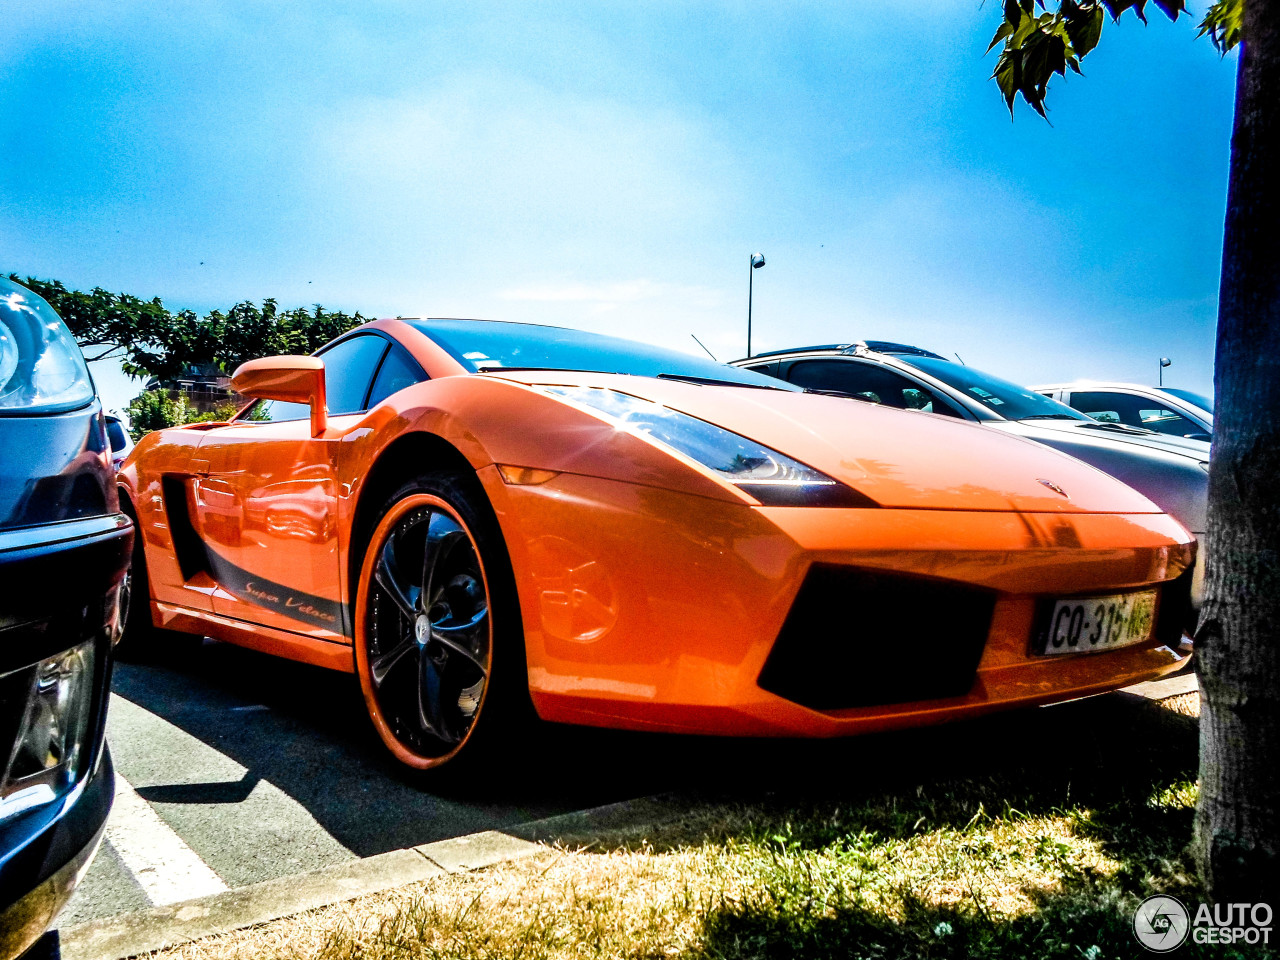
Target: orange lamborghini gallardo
x: 482, y: 520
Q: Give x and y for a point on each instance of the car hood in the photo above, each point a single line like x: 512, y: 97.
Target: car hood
x: 904, y: 459
x: 1198, y: 450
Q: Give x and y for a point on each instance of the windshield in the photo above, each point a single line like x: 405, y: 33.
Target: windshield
x: 1196, y: 399
x: 1000, y: 396
x: 115, y: 434
x: 488, y: 345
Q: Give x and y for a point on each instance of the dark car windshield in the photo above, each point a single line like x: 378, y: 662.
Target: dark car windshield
x: 1195, y: 399
x: 1000, y: 396
x: 115, y: 434
x: 489, y: 345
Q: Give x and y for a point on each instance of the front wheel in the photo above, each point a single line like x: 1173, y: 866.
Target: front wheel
x: 438, y: 644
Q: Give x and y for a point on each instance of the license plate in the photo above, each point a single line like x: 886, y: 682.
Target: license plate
x: 1086, y: 624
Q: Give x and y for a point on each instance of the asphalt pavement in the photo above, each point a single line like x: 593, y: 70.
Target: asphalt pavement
x: 234, y: 768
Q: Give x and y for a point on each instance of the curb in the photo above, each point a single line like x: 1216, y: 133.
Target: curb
x: 1163, y: 689
x: 129, y: 934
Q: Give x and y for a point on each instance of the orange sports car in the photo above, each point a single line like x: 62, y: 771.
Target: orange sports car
x: 484, y: 519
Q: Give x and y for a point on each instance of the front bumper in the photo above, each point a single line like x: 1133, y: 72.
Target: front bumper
x: 38, y: 878
x: 62, y: 584
x: 650, y: 609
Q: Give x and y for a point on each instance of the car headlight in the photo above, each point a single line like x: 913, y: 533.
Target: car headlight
x: 41, y: 367
x: 51, y: 702
x: 772, y: 478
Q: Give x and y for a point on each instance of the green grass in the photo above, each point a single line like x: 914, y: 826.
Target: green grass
x: 1001, y: 850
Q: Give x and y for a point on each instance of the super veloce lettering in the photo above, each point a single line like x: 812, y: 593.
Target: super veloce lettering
x: 295, y: 604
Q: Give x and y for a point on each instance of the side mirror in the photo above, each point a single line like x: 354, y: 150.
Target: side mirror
x: 291, y: 379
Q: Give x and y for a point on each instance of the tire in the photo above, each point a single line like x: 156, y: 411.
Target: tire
x: 438, y: 645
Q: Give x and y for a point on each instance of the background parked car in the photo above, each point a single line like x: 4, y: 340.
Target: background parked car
x: 1171, y: 471
x: 64, y: 552
x: 1169, y: 410
x: 119, y: 439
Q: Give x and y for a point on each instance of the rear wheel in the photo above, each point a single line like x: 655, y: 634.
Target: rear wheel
x: 438, y: 643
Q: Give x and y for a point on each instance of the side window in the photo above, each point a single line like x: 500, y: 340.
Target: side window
x: 276, y: 410
x: 398, y: 370
x: 1136, y: 412
x: 868, y: 381
x: 1109, y: 407
x: 1163, y: 420
x: 348, y: 368
x: 768, y: 369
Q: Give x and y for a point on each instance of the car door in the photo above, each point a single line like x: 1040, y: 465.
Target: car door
x: 267, y: 500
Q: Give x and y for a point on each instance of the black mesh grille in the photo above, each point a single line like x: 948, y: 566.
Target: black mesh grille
x: 858, y: 638
x: 1174, y: 615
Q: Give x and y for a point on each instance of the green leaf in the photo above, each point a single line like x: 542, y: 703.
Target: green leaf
x: 1008, y: 76
x: 1224, y: 23
x: 1002, y: 31
x: 1084, y: 27
x: 1117, y: 7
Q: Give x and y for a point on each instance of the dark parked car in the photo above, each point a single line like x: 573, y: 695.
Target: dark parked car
x: 64, y: 553
x: 120, y: 441
x: 1171, y: 471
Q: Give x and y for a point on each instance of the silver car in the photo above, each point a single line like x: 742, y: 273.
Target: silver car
x: 1171, y: 471
x: 1168, y: 410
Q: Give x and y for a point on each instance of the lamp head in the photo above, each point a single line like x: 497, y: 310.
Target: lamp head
x: 1165, y: 361
x: 757, y: 261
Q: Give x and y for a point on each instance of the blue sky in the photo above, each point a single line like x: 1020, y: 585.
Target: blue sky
x: 612, y: 167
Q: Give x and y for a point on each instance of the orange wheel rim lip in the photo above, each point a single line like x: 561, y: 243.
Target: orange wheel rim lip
x: 360, y: 638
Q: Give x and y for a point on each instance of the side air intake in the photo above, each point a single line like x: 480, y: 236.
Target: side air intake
x: 861, y: 638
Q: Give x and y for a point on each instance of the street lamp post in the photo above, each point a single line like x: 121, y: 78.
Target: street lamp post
x: 1164, y: 362
x: 757, y: 261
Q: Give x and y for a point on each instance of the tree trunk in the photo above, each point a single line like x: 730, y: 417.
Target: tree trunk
x: 1238, y: 645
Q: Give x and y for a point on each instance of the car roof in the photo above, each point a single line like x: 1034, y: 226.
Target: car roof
x: 1094, y: 384
x: 860, y: 346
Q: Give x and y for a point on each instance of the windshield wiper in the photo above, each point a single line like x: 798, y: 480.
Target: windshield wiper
x: 1118, y: 428
x: 1051, y: 416
x: 713, y: 382
x: 841, y: 393
x: 540, y: 369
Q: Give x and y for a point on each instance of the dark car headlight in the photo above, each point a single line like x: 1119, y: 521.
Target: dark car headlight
x: 41, y: 367
x: 772, y: 478
x: 51, y: 702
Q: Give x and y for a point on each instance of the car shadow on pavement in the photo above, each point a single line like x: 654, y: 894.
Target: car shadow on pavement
x: 304, y: 730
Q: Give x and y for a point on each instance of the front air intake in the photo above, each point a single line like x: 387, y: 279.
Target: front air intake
x: 862, y: 638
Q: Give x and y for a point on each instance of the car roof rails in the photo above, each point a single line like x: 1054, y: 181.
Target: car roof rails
x: 888, y: 346
x: 821, y: 346
x: 862, y: 346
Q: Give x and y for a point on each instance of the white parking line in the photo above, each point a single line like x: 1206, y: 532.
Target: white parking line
x: 165, y: 867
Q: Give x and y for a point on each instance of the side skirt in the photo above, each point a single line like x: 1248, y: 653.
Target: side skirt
x: 278, y: 643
